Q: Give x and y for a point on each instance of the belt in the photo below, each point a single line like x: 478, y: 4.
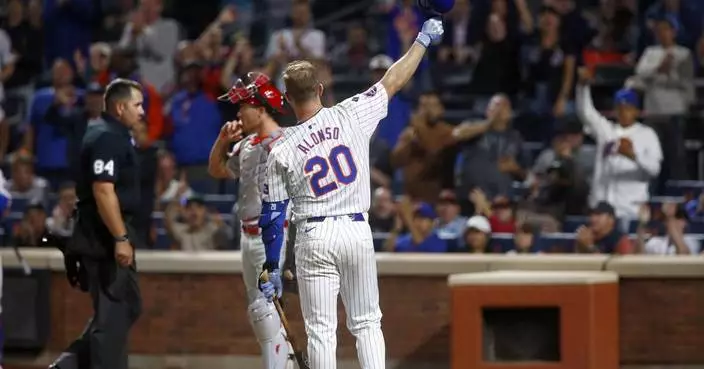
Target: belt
x: 251, y: 229
x: 254, y: 230
x: 356, y: 217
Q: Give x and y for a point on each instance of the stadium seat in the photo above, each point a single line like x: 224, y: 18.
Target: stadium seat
x: 222, y: 206
x: 571, y: 223
x: 531, y: 150
x: 231, y: 188
x: 559, y: 243
x: 19, y: 204
x: 162, y: 240
x: 457, y: 116
x: 222, y: 203
x: 681, y: 188
x: 501, y: 243
x: 204, y: 186
x: 456, y: 101
x: 612, y: 73
x: 696, y: 227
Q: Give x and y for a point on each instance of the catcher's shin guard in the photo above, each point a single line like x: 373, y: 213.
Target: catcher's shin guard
x: 270, y: 334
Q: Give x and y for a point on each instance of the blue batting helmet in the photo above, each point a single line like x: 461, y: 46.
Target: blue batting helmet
x: 436, y: 7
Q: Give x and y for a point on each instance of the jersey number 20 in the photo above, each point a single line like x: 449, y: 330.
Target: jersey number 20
x: 320, y: 167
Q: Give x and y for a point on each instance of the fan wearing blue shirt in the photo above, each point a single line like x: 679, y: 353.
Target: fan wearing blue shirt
x: 422, y: 235
x: 197, y: 122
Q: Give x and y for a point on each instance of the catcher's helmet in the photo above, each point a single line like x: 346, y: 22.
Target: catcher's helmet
x: 436, y: 7
x: 258, y: 90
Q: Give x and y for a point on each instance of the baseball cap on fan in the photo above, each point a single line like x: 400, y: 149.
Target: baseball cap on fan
x: 603, y: 207
x: 479, y: 223
x: 380, y: 62
x: 257, y: 90
x: 425, y: 210
x: 627, y: 96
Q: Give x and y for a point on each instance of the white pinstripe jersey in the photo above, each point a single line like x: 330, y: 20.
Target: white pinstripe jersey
x: 322, y: 164
x: 248, y: 163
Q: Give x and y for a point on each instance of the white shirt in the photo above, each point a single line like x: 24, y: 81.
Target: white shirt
x: 618, y: 180
x: 171, y: 191
x: 312, y: 40
x: 156, y: 47
x: 667, y: 93
x: 662, y: 245
x: 322, y: 164
x: 247, y: 163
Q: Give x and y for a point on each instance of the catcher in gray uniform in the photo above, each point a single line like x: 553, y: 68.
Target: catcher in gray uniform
x: 260, y: 105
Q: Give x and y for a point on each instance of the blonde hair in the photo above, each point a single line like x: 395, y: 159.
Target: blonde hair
x: 301, y: 79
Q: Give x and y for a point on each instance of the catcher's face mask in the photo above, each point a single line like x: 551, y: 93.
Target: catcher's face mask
x: 257, y: 90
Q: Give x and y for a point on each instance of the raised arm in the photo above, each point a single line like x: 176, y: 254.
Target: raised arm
x: 221, y: 163
x: 401, y: 72
x: 466, y: 131
x: 401, y: 154
x: 590, y: 117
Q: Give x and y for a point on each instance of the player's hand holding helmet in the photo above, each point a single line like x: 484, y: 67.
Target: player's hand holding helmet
x: 431, y: 32
x: 231, y: 131
x: 273, y: 286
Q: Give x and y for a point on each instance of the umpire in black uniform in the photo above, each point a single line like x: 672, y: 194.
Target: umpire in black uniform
x: 100, y: 255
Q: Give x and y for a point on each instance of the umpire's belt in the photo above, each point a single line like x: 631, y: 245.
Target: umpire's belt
x: 356, y: 217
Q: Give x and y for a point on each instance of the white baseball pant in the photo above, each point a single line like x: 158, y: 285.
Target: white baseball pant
x: 335, y: 256
x: 263, y: 317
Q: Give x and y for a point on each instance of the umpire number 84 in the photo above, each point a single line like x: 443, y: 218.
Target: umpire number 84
x: 100, y: 167
x: 320, y: 167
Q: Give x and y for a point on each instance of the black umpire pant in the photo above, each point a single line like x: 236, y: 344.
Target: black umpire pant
x: 117, y: 304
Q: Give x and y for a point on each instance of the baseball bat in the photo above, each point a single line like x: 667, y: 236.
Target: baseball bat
x: 297, y: 352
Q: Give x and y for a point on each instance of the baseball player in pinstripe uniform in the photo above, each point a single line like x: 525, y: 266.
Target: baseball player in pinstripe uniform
x: 260, y: 101
x: 322, y: 166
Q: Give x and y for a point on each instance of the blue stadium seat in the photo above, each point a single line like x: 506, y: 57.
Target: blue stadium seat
x: 559, y: 243
x: 573, y: 222
x: 612, y: 73
x: 162, y: 240
x: 204, y: 186
x: 222, y: 203
x: 519, y: 191
x: 531, y: 150
x: 681, y: 188
x: 222, y: 206
x: 633, y: 226
x: 379, y: 244
x: 457, y: 116
x: 231, y: 187
x: 19, y: 204
x: 501, y: 243
x: 158, y: 222
x: 696, y: 227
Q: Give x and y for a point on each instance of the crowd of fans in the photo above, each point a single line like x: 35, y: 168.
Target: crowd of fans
x: 495, y: 146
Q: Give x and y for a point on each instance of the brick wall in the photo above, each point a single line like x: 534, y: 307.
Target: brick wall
x: 661, y: 320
